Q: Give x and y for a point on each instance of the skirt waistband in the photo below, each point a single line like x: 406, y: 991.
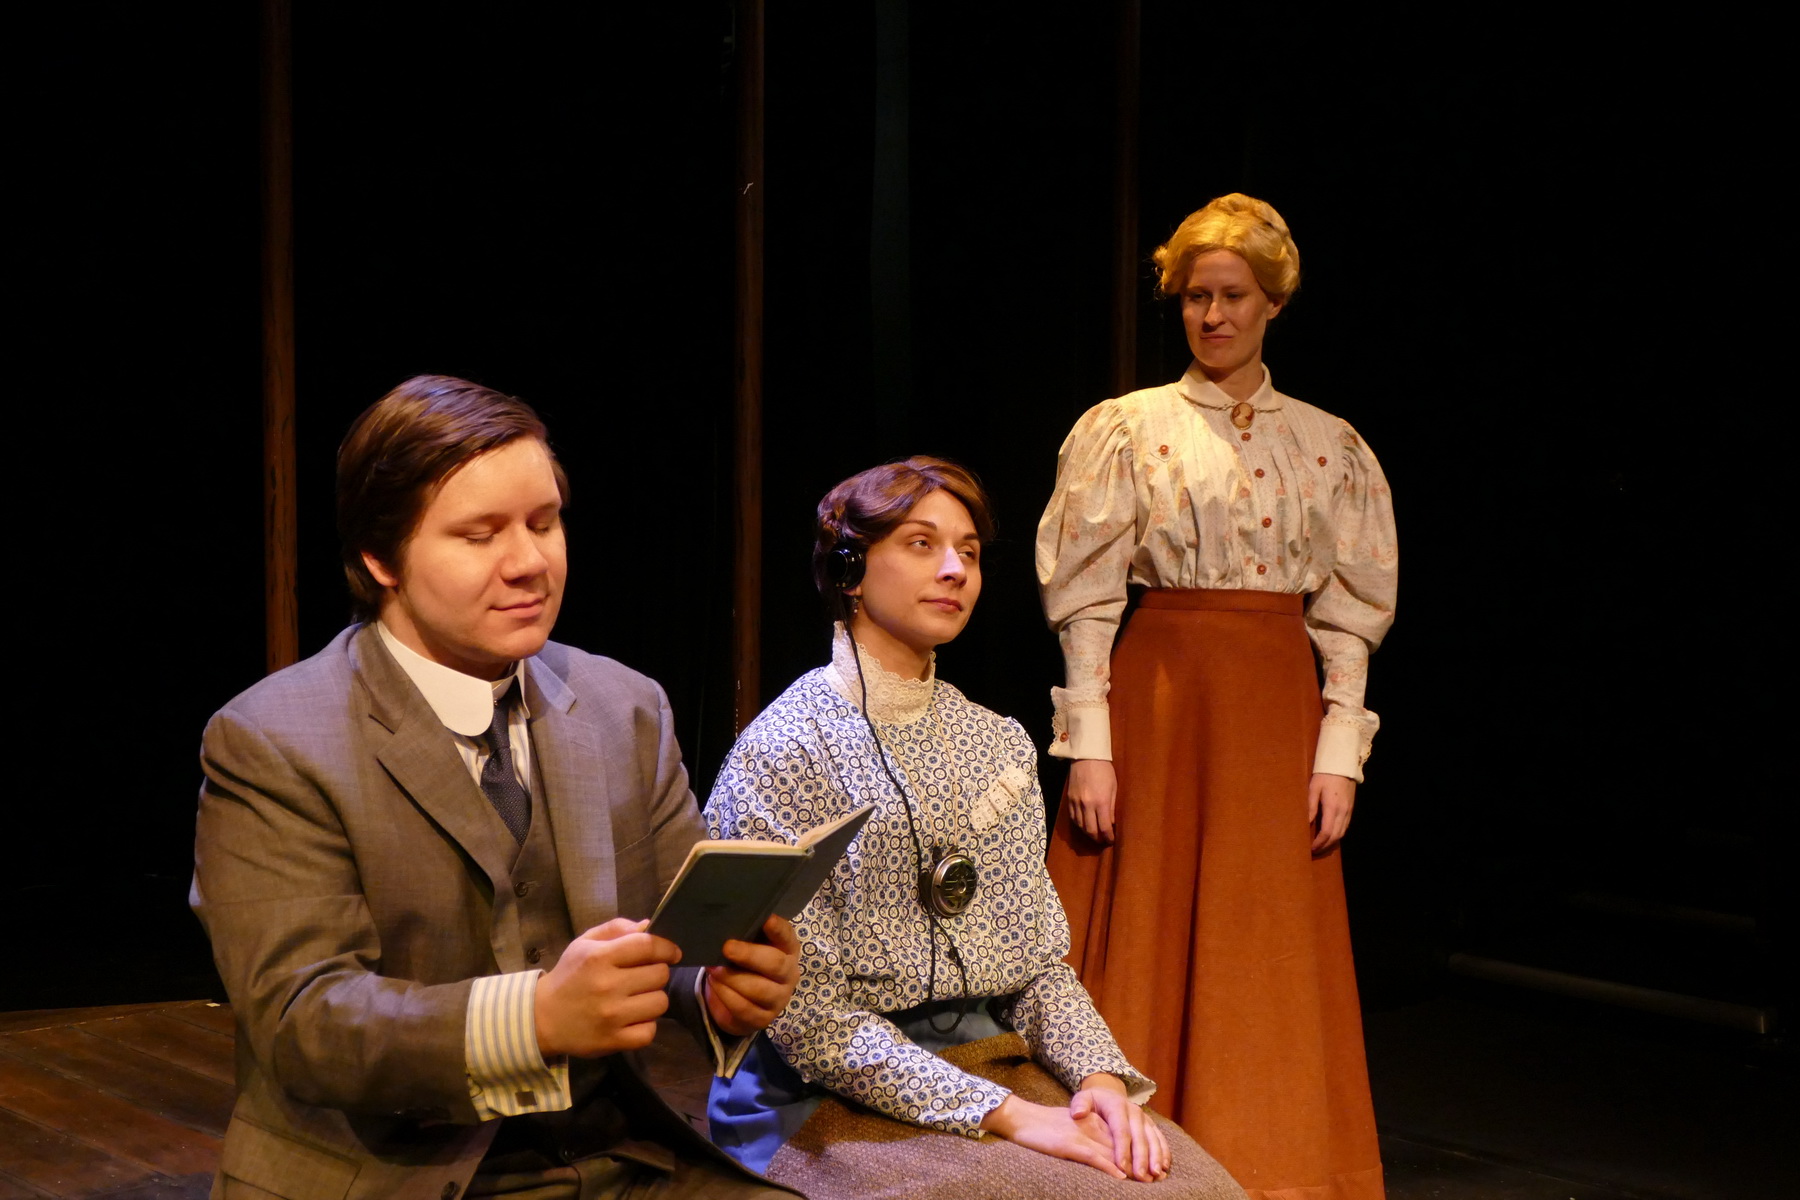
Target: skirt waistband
x: 1225, y: 600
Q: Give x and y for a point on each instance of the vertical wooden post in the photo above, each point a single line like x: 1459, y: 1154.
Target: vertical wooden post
x: 1126, y: 261
x: 746, y: 639
x: 281, y: 623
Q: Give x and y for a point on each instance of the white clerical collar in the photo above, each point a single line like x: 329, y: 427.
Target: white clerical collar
x: 1201, y: 390
x: 893, y: 699
x: 463, y: 703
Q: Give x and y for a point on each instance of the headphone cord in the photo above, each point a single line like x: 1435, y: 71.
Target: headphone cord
x: 933, y: 926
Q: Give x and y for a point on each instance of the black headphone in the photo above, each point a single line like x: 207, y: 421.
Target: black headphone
x: 844, y: 566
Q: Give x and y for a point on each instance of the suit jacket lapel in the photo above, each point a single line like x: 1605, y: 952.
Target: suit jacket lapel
x: 414, y: 748
x: 569, y: 753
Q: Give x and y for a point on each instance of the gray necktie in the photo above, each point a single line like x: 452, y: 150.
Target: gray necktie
x: 499, y: 781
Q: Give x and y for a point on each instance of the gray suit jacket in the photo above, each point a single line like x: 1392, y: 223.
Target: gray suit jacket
x: 346, y: 869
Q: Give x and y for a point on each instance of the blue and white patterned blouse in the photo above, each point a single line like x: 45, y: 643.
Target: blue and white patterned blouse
x: 865, y: 941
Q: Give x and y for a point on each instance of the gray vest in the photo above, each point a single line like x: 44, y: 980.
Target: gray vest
x: 597, y: 1122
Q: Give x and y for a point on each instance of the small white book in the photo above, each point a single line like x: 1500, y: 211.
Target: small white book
x: 727, y: 888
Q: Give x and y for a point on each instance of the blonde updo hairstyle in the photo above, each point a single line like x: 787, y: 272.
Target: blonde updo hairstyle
x: 1249, y: 228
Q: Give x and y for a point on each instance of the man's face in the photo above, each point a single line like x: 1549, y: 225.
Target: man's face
x: 480, y: 582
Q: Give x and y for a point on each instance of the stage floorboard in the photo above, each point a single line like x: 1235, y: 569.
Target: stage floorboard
x: 129, y: 1101
x: 1479, y: 1097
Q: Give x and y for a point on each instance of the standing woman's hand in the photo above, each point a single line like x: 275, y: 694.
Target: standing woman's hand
x: 1092, y: 796
x: 1329, y: 799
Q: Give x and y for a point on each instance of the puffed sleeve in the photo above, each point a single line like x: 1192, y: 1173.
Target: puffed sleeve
x: 1348, y: 617
x: 775, y: 786
x: 1085, y: 543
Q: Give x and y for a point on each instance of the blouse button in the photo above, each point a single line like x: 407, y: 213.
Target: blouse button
x: 1267, y: 522
x: 1063, y: 736
x: 1163, y: 450
x: 1261, y: 569
x: 1245, y: 435
x: 1259, y: 472
x: 1321, y: 460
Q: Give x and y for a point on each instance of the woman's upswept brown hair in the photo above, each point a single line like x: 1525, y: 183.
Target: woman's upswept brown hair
x: 1244, y: 225
x: 400, y: 451
x: 869, y: 505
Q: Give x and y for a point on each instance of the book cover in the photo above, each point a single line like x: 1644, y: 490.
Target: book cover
x: 727, y: 888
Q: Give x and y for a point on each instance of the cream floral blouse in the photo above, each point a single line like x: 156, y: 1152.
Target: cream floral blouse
x: 1162, y: 488
x: 865, y: 943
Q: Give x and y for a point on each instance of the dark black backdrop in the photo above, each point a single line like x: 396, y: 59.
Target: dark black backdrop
x: 1537, y: 279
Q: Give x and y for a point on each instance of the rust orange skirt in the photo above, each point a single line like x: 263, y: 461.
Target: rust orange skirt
x: 1213, y: 942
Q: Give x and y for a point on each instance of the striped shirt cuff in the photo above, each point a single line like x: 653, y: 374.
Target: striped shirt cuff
x: 507, y: 1075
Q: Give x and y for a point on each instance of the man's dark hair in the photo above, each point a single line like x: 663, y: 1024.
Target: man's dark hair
x: 400, y: 451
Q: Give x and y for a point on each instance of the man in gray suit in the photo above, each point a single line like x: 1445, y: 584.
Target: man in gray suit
x: 421, y: 853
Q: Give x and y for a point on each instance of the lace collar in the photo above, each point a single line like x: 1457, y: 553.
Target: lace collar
x: 893, y: 699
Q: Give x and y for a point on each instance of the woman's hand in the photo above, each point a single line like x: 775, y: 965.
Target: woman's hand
x: 1139, y: 1147
x: 1329, y: 799
x: 1054, y: 1131
x: 1092, y: 793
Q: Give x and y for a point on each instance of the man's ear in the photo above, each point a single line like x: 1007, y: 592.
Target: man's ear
x: 383, y: 576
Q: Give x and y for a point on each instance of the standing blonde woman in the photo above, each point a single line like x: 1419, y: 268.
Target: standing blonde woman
x: 1197, y: 849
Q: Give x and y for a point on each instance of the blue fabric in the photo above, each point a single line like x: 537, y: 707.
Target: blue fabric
x: 765, y: 1102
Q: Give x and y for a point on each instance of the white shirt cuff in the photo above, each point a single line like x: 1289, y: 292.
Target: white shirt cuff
x: 1341, y: 751
x: 1082, y: 730
x: 508, y: 1077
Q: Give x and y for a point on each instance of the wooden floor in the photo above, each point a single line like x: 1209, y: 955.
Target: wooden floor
x: 132, y: 1101
x: 118, y: 1102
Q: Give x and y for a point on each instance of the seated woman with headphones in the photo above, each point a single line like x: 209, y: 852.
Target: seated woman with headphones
x: 934, y: 1007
